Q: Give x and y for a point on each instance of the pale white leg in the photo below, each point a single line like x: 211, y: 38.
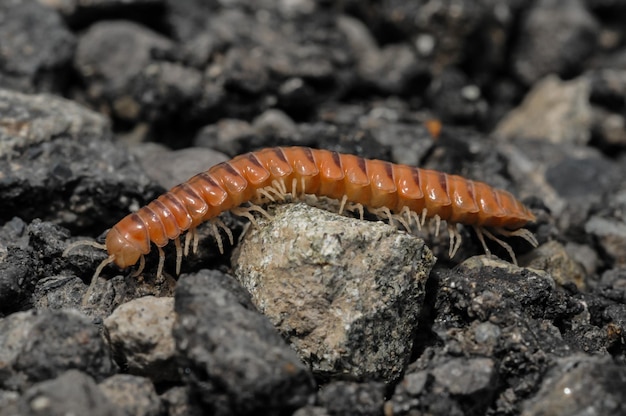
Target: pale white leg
x: 437, y: 219
x: 188, y: 238
x: 455, y: 239
x: 522, y: 233
x: 94, y: 279
x: 142, y: 265
x: 82, y: 243
x: 342, y: 205
x: 218, y: 237
x: 159, y: 274
x: 179, y: 255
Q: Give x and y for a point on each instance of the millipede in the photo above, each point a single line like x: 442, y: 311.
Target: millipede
x: 408, y: 195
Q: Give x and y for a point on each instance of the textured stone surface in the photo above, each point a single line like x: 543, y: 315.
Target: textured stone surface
x: 140, y: 333
x: 561, y: 111
x: 574, y: 385
x: 42, y: 346
x: 345, y: 293
x: 72, y: 392
x: 134, y: 395
x: 233, y: 357
x: 418, y: 82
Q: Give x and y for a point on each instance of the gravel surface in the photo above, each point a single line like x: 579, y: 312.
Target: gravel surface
x: 105, y: 104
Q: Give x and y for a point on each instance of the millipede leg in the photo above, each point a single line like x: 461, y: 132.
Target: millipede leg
x: 481, y: 238
x: 417, y: 219
x: 196, y: 240
x: 455, y: 239
x: 229, y: 233
x: 94, y: 279
x: 294, y: 192
x: 406, y: 219
x: 142, y: 265
x: 159, y: 274
x: 82, y: 243
x: 263, y: 193
x: 245, y: 212
x: 521, y: 232
x: 505, y: 245
x: 218, y: 237
x: 424, y: 213
x: 437, y: 219
x: 187, y: 242
x: 280, y: 189
x: 179, y: 255
x: 342, y: 205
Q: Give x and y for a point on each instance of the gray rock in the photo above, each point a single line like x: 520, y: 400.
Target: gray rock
x: 168, y: 168
x: 461, y: 376
x: 351, y: 398
x: 554, y: 110
x: 71, y: 393
x: 33, y: 57
x: 140, y: 333
x: 63, y: 165
x: 231, y: 356
x: 345, y: 293
x: 542, y: 50
x: 38, y: 347
x: 180, y: 401
x: 134, y: 395
x: 581, y: 385
x: 230, y: 136
x: 611, y: 234
x: 111, y: 54
x: 8, y: 403
x: 451, y: 385
x: 553, y: 258
x: 28, y: 119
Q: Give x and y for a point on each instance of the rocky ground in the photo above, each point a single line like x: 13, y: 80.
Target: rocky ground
x: 105, y: 104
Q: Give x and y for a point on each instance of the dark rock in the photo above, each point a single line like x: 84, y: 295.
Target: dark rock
x: 613, y: 285
x: 38, y: 347
x: 553, y: 258
x: 232, y: 356
x: 392, y: 69
x: 580, y: 385
x: 608, y: 88
x: 456, y: 100
x: 64, y: 167
x: 608, y: 226
x: 349, y: 398
x: 461, y: 383
x: 135, y: 395
x: 28, y: 120
x: 465, y: 377
x: 72, y: 392
x: 17, y: 279
x: 8, y: 403
x: 180, y: 401
x: 79, y: 14
x: 539, y: 52
x: 169, y: 168
x: 33, y: 57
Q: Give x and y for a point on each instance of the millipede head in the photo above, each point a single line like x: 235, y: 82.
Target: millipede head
x: 122, y: 253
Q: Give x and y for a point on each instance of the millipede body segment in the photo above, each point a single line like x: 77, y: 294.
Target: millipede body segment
x: 400, y: 191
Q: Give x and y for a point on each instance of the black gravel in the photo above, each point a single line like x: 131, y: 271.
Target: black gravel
x: 526, y: 96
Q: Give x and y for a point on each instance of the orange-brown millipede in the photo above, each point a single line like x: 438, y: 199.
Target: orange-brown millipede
x: 399, y: 192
